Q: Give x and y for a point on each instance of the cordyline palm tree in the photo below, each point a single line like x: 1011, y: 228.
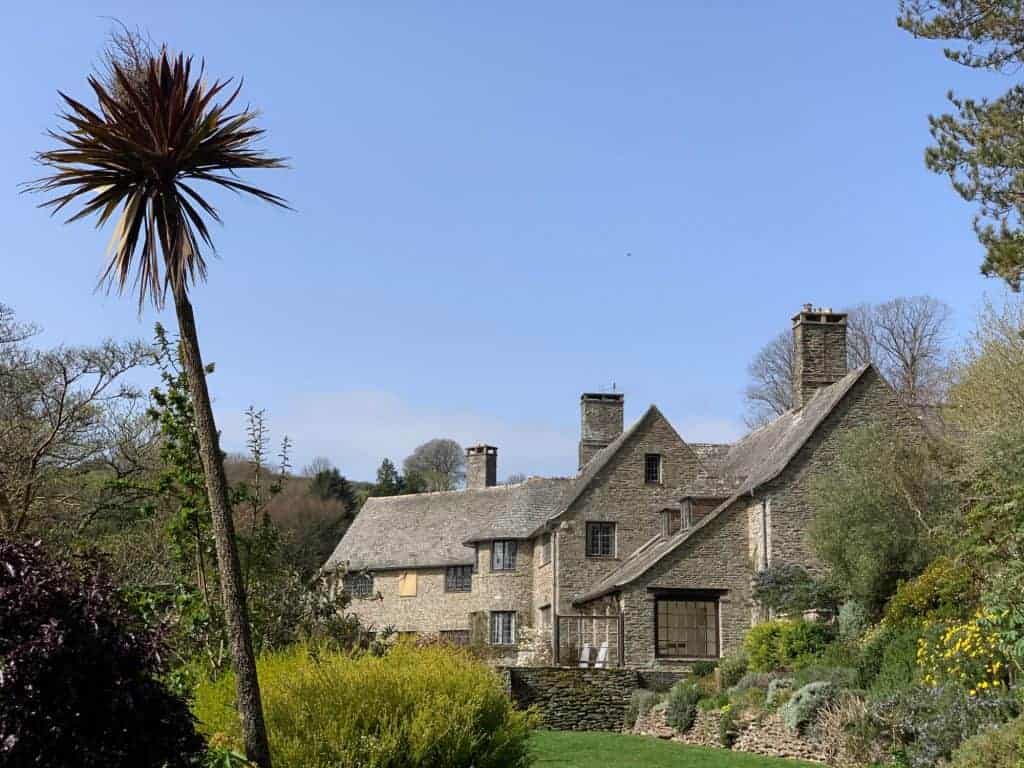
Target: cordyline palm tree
x: 156, y: 132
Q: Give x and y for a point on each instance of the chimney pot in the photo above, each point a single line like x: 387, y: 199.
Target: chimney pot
x: 601, y: 421
x: 819, y: 359
x: 481, y: 466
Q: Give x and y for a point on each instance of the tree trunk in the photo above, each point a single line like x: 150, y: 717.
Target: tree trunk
x: 250, y: 708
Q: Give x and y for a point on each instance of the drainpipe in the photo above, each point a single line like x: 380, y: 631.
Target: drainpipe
x: 555, y: 632
x: 764, y: 534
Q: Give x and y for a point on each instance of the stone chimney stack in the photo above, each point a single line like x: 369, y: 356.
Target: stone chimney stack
x: 600, y: 421
x: 819, y: 351
x: 481, y: 466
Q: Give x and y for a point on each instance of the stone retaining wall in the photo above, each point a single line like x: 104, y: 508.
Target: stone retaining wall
x: 573, y: 699
x: 766, y: 735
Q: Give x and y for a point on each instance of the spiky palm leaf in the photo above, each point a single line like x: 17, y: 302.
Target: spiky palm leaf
x: 154, y: 135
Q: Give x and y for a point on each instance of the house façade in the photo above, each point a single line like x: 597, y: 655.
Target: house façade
x: 647, y: 552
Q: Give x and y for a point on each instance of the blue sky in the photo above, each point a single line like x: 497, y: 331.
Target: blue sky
x: 499, y: 206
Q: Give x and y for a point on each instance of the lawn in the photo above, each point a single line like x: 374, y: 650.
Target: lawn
x: 614, y: 750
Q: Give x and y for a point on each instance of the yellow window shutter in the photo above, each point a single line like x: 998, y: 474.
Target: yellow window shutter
x: 407, y: 584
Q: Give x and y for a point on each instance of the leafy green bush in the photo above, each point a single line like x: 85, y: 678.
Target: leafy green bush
x: 888, y: 659
x: 713, y: 702
x: 80, y: 675
x: 779, y: 691
x: 853, y: 621
x: 728, y: 726
x: 703, y: 668
x: 944, y: 590
x: 929, y: 723
x: 762, y: 646
x: 789, y: 588
x: 682, y: 705
x: 864, y: 528
x: 799, y: 711
x: 801, y: 641
x: 640, y: 704
x: 1001, y: 747
x: 782, y: 643
x: 841, y: 677
x: 732, y: 667
x: 412, y: 708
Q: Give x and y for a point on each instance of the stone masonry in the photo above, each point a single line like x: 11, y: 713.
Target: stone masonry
x: 574, y: 699
x: 745, y: 507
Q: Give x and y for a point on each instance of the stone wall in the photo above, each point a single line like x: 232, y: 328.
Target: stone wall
x: 870, y: 401
x: 660, y: 679
x: 618, y: 494
x: 715, y: 558
x: 574, y: 699
x: 433, y: 610
x: 764, y: 735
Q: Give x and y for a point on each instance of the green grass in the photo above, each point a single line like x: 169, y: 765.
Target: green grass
x: 615, y: 750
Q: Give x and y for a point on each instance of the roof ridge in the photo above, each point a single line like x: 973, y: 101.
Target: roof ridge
x: 749, y: 485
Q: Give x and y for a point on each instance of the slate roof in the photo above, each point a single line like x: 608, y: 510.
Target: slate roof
x: 711, y: 455
x: 756, y: 459
x: 436, y: 529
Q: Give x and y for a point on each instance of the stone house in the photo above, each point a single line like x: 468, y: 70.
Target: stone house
x: 647, y: 552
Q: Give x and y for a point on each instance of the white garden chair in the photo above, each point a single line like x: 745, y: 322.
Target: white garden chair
x: 585, y: 655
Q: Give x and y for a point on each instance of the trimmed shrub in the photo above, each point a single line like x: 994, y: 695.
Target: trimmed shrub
x: 799, y: 711
x: 779, y: 690
x: 929, y: 723
x: 682, y: 705
x: 1001, y: 747
x: 853, y: 621
x: 800, y: 641
x: 640, y: 704
x: 412, y: 708
x: 762, y: 646
x: 79, y: 672
x: 782, y: 643
x: 732, y: 667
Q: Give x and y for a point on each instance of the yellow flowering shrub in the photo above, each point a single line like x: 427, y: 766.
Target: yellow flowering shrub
x: 964, y: 652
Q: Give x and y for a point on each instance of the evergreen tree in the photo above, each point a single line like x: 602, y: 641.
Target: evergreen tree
x: 331, y: 484
x: 980, y: 146
x: 389, y: 482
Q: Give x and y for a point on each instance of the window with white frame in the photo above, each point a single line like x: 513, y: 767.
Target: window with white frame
x: 503, y: 628
x: 503, y: 555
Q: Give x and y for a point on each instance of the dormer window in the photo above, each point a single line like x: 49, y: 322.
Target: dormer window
x: 652, y: 468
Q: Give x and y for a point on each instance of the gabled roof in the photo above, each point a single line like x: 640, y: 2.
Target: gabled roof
x: 602, y: 458
x: 435, y: 529
x: 755, y: 460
